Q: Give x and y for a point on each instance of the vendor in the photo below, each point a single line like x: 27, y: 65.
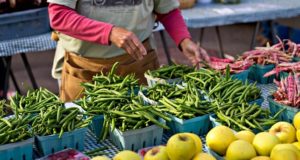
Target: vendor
x: 94, y: 34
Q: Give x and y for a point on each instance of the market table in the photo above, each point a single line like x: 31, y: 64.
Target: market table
x: 91, y: 142
x: 248, y: 11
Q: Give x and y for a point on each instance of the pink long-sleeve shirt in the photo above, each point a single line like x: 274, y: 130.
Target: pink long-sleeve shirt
x: 69, y: 22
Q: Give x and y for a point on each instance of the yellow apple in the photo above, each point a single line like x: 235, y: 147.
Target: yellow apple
x: 204, y: 156
x: 298, y: 135
x: 264, y: 142
x: 296, y: 121
x: 245, y: 135
x: 297, y: 144
x: 157, y: 153
x: 100, y: 158
x: 181, y: 146
x: 284, y: 131
x: 240, y: 149
x: 127, y: 155
x: 261, y: 158
x: 284, y: 155
x: 289, y: 147
x: 219, y: 138
x: 197, y: 141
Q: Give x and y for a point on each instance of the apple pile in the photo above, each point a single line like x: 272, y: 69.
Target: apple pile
x: 279, y: 143
x: 181, y: 146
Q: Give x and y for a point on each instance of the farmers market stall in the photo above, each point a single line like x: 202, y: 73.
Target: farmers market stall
x: 115, y: 113
x: 91, y: 141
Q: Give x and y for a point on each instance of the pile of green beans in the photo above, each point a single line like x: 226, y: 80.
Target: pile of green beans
x: 15, y: 129
x: 188, y: 106
x: 244, y: 116
x: 5, y: 109
x: 34, y: 101
x: 131, y: 116
x: 158, y: 91
x: 57, y: 120
x: 110, y: 81
x: 102, y: 100
x: 170, y: 72
x: 223, y: 88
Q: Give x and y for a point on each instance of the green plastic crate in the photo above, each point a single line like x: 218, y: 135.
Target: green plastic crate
x: 52, y: 143
x: 137, y: 139
x: 16, y: 151
x: 97, y: 125
x: 198, y: 125
x: 243, y: 76
x: 296, y: 59
x: 287, y: 115
x: 258, y: 101
x: 257, y: 73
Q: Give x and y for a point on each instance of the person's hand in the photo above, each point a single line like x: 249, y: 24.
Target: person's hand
x: 194, y: 52
x: 127, y: 40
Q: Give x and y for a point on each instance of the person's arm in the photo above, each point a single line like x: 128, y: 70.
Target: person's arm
x: 177, y: 29
x: 67, y: 21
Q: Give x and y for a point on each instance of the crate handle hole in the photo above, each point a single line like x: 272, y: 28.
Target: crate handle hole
x: 65, y: 147
x: 52, y: 150
x: 144, y: 144
x: 10, y: 159
x: 24, y: 157
x: 77, y: 145
x: 154, y: 142
x: 132, y: 147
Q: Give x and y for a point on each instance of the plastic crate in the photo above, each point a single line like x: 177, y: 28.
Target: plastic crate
x: 97, y: 125
x: 15, y: 151
x: 51, y: 144
x: 151, y: 81
x: 137, y: 139
x: 243, y: 76
x: 296, y: 59
x: 198, y: 125
x: 24, y: 23
x: 258, y: 101
x: 257, y: 73
x: 214, y: 154
x: 287, y: 115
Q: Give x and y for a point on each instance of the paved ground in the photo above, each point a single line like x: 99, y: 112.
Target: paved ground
x: 236, y: 39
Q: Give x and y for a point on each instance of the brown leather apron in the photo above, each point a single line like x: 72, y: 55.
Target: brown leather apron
x: 78, y: 69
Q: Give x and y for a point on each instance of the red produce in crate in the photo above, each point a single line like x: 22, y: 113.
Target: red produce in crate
x: 288, y: 90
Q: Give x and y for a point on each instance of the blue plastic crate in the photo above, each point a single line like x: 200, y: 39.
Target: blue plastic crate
x: 17, y: 151
x: 257, y: 73
x: 198, y: 125
x: 97, y: 125
x: 287, y: 115
x: 24, y: 23
x: 243, y: 76
x: 137, y: 139
x: 296, y: 59
x: 258, y: 101
x: 52, y: 143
